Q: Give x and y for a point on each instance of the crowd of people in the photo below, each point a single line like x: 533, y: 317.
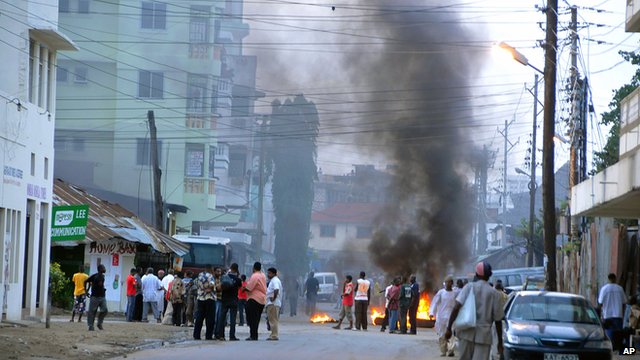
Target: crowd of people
x: 214, y: 298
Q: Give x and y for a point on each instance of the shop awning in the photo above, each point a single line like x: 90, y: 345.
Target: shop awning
x: 111, y: 221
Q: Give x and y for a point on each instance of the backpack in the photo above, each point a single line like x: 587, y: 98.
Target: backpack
x: 226, y: 282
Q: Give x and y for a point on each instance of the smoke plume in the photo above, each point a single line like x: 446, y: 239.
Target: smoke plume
x: 421, y: 116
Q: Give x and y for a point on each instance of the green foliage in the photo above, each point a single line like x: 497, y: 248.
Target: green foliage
x: 609, y: 154
x: 295, y: 124
x: 61, y: 291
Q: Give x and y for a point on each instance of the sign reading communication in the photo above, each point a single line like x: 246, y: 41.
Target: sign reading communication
x: 69, y: 222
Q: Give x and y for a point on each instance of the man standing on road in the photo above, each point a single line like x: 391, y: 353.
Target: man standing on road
x: 242, y: 299
x: 441, y: 306
x: 363, y: 294
x: 98, y: 301
x: 475, y: 343
x: 150, y: 286
x: 79, y: 293
x: 311, y: 288
x: 256, y: 289
x: 231, y: 282
x: 274, y: 302
x: 347, y: 303
x: 405, y: 302
x: 413, y: 307
x: 611, y: 303
x: 206, y: 304
x: 131, y: 294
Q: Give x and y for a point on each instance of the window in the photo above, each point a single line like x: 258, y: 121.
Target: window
x: 33, y: 164
x: 46, y: 168
x: 62, y: 74
x: 237, y: 165
x: 143, y: 153
x: 32, y: 70
x: 212, y: 162
x: 197, y: 93
x: 199, y: 31
x: 80, y: 75
x: 363, y: 232
x: 328, y: 231
x: 78, y: 144
x: 194, y: 164
x: 154, y: 15
x: 150, y: 84
x: 63, y: 6
x: 83, y: 6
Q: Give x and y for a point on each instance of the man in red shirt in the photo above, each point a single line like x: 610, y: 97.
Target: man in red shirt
x: 131, y: 294
x: 347, y: 303
x: 242, y: 299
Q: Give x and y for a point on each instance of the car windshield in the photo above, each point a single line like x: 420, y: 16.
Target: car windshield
x: 552, y: 308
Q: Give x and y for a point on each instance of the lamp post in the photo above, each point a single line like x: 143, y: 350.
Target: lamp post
x: 548, y: 176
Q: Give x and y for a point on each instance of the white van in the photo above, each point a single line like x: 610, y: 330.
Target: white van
x: 328, y: 285
x: 514, y: 279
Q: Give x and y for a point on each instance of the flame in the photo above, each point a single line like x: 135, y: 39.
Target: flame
x: 423, y: 309
x: 321, y: 318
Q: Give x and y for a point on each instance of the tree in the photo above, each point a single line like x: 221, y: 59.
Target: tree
x: 294, y: 129
x: 609, y: 154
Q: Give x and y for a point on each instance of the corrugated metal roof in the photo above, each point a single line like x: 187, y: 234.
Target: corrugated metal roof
x: 108, y: 220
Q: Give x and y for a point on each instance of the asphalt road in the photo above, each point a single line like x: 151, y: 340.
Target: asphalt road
x: 300, y: 339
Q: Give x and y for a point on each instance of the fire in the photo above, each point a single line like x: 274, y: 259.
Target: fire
x: 321, y: 318
x: 423, y: 306
x: 423, y: 310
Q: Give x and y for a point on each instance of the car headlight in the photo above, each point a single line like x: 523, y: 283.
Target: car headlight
x: 521, y: 340
x: 598, y: 344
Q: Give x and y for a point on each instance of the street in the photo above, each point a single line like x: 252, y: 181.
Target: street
x: 302, y: 340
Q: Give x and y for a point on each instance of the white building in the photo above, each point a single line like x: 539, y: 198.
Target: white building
x: 30, y: 40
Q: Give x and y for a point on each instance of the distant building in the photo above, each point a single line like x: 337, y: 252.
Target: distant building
x: 29, y: 48
x: 364, y: 184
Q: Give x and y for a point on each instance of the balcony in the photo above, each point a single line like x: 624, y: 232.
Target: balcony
x: 629, y: 124
x: 632, y: 22
x: 201, y: 121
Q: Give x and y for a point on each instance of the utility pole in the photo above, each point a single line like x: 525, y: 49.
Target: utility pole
x: 157, y: 196
x: 532, y: 183
x: 260, y: 219
x: 481, y: 182
x: 507, y: 147
x: 548, y: 176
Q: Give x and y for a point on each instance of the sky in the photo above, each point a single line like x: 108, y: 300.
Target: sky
x: 304, y: 46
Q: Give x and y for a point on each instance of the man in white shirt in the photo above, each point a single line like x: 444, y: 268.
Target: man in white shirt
x: 274, y: 301
x: 166, y: 280
x: 611, y: 303
x: 150, y: 286
x: 363, y: 294
x: 385, y: 322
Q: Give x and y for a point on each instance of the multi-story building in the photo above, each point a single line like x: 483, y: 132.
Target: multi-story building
x: 171, y: 58
x: 29, y: 51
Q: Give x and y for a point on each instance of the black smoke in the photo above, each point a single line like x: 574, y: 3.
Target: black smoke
x: 423, y: 62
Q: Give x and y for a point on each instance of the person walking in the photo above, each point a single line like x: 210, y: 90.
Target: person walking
x: 79, y: 293
x: 274, y: 302
x: 404, y: 303
x: 347, y: 303
x: 206, y: 304
x: 230, y: 283
x: 413, y: 307
x: 150, y: 286
x: 131, y: 294
x: 311, y: 288
x: 242, y: 299
x: 293, y: 288
x: 256, y: 289
x: 361, y: 300
x: 475, y: 343
x: 98, y: 300
x: 611, y: 302
x: 394, y: 298
x: 441, y: 307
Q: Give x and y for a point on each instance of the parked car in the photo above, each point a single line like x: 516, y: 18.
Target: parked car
x: 534, y: 282
x: 513, y: 279
x: 328, y: 285
x: 553, y: 326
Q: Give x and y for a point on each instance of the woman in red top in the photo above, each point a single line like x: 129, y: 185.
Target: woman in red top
x: 242, y: 298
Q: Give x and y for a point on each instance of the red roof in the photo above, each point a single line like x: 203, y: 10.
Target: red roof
x: 348, y: 213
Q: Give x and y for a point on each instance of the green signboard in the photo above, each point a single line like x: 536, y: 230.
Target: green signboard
x: 69, y: 222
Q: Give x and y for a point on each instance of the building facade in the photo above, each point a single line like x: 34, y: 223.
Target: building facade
x: 29, y: 50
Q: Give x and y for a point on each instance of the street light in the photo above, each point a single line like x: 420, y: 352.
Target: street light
x: 517, y: 56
